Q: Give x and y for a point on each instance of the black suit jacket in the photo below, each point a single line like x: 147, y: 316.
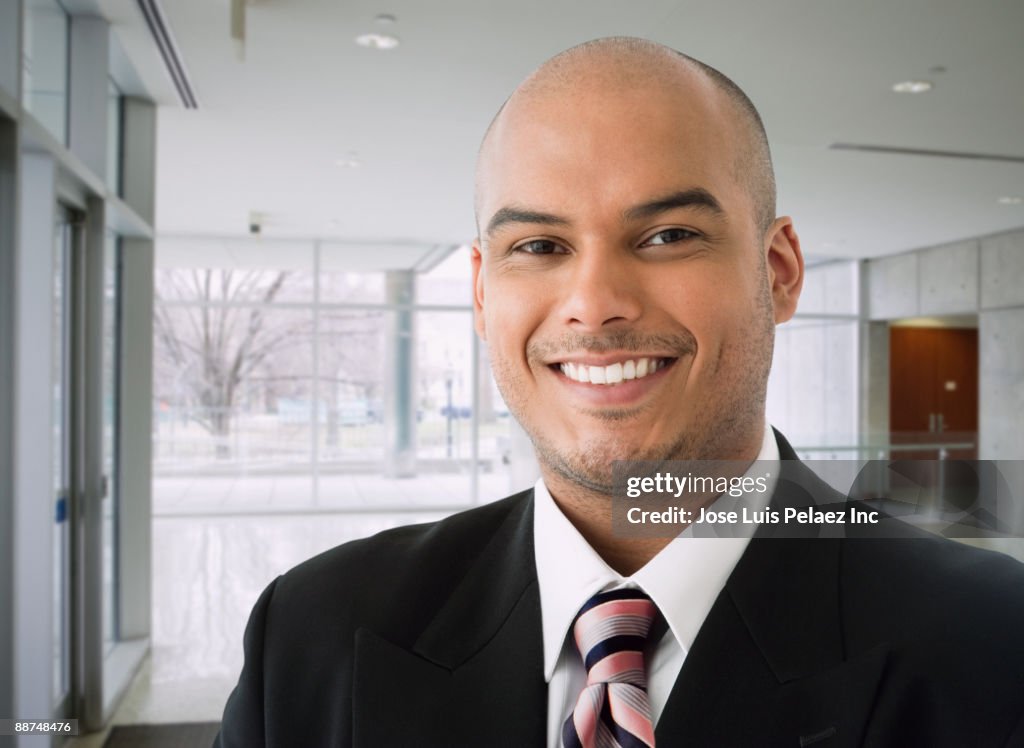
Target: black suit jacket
x: 431, y: 636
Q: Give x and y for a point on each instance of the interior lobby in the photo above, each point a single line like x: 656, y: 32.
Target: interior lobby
x: 237, y: 300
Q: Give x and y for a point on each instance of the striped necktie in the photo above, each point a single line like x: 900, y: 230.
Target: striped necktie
x: 613, y: 710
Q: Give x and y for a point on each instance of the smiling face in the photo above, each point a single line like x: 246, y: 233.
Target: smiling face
x: 624, y: 285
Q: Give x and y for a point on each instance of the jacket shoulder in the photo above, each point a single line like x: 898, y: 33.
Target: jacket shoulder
x: 929, y: 578
x: 949, y: 616
x: 394, y: 580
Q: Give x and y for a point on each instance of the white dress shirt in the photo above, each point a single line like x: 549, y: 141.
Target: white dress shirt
x: 683, y: 580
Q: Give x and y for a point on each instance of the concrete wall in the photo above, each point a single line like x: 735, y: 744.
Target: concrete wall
x: 1001, y: 347
x: 983, y: 277
x: 933, y: 281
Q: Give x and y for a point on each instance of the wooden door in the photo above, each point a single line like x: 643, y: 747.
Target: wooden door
x: 933, y: 388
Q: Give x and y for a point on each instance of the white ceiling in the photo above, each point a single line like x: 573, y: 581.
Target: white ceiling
x: 270, y: 128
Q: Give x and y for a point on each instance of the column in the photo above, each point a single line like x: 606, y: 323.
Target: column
x: 32, y: 436
x: 136, y: 419
x: 399, y: 378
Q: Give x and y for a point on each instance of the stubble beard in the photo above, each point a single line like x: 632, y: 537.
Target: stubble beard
x: 715, y: 429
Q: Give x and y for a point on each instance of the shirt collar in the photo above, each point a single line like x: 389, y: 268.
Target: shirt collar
x: 684, y: 579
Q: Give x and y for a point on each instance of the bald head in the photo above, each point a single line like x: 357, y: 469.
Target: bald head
x: 617, y: 65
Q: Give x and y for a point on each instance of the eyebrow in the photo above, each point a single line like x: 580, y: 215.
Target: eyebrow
x: 697, y: 197
x: 513, y: 214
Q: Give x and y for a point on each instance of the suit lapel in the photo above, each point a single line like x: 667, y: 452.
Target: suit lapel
x: 768, y: 666
x: 475, y: 675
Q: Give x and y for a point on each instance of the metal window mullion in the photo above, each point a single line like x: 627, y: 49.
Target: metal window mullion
x: 315, y: 406
x: 474, y: 491
x: 76, y: 459
x: 113, y: 480
x: 90, y: 435
x: 305, y: 305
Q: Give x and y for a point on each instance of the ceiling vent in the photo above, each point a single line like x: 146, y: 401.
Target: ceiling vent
x: 169, y: 53
x: 896, y: 151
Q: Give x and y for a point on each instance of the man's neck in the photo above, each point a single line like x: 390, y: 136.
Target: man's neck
x: 591, y: 514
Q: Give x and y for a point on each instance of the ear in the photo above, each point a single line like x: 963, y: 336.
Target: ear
x: 477, y: 259
x: 785, y: 265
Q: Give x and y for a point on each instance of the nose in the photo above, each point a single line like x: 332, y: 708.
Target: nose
x: 601, y: 290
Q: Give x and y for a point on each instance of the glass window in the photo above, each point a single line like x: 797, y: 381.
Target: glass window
x: 234, y: 272
x: 348, y: 274
x: 339, y: 286
x: 338, y: 417
x: 111, y: 500
x: 444, y: 379
x: 449, y: 282
x: 45, y: 65
x: 62, y: 481
x: 235, y: 405
x: 351, y: 438
x: 318, y: 404
x: 502, y: 471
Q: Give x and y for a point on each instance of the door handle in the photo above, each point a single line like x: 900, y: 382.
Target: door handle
x: 941, y: 425
x: 61, y: 509
x: 931, y: 423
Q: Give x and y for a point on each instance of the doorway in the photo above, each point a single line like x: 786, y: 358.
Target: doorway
x: 66, y: 255
x: 933, y: 387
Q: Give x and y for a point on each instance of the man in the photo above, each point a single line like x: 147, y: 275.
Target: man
x: 628, y: 275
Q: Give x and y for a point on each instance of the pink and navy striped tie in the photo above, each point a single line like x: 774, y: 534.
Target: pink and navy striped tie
x: 613, y: 709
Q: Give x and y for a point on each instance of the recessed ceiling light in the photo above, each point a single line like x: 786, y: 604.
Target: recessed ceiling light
x: 1011, y: 200
x: 377, y: 41
x: 349, y: 161
x: 912, y: 86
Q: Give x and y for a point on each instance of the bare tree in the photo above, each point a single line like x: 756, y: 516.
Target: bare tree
x: 351, y: 353
x: 219, y: 339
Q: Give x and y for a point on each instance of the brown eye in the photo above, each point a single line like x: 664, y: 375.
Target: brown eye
x: 538, y: 247
x: 668, y: 236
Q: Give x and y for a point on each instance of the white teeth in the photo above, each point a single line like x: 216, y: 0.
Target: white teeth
x: 613, y: 373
